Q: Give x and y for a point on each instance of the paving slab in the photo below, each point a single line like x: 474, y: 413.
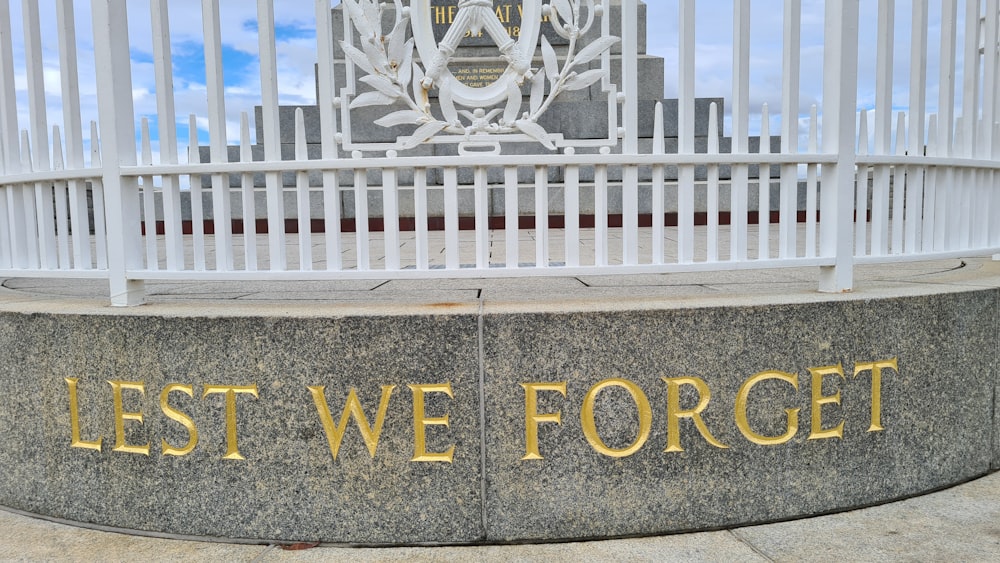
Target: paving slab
x: 958, y: 524
x: 29, y: 539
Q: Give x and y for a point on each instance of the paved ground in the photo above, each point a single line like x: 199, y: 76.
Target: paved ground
x: 561, y: 294
x: 959, y: 524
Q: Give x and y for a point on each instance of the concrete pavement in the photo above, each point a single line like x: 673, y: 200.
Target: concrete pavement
x: 958, y: 524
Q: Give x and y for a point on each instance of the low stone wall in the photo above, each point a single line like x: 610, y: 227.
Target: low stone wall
x: 499, y: 426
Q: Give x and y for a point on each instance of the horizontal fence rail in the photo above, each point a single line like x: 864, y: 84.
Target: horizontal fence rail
x: 286, y: 193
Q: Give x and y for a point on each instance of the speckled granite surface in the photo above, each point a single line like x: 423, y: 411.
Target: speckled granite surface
x: 932, y: 410
x: 938, y: 321
x: 288, y: 486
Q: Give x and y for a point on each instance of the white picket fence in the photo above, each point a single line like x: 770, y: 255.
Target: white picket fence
x: 930, y: 192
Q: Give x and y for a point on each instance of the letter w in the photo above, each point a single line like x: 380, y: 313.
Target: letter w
x: 334, y: 434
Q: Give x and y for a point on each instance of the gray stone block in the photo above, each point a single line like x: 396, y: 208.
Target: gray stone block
x: 575, y: 120
x: 288, y: 485
x: 363, y: 130
x: 934, y: 405
x: 935, y: 421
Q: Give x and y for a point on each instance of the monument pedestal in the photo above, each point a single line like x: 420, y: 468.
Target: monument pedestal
x: 458, y: 411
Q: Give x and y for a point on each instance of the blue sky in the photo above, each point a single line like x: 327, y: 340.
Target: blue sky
x: 296, y: 56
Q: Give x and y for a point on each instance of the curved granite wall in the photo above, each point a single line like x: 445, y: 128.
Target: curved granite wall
x: 504, y: 426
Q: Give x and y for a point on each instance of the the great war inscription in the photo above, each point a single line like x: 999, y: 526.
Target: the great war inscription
x: 479, y: 73
x: 508, y: 12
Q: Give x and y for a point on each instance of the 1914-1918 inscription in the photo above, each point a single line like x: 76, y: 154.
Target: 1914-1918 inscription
x: 482, y: 73
x: 509, y: 13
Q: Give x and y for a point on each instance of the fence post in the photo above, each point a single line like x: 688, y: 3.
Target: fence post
x: 9, y: 143
x: 840, y: 91
x: 630, y: 121
x: 10, y: 156
x: 117, y: 126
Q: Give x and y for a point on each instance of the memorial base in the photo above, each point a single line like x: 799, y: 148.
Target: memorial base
x: 540, y: 412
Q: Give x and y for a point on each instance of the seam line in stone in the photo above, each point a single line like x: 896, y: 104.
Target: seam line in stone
x: 482, y: 413
x: 994, y: 439
x: 750, y: 544
x: 263, y: 554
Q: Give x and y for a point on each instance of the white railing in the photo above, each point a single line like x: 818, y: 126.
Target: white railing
x: 911, y: 185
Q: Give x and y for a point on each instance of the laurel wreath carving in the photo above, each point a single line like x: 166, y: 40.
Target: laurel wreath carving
x: 395, y: 76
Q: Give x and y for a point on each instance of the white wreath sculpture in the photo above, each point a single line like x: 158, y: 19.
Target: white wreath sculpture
x: 393, y: 73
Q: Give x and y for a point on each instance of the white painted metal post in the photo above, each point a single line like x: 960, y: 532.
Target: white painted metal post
x: 36, y: 85
x: 481, y: 195
x: 946, y: 81
x: 249, y: 205
x: 167, y: 126
x: 791, y: 65
x: 541, y: 217
x: 8, y: 100
x: 630, y: 119
x: 839, y: 113
x: 712, y: 250
x: 740, y: 184
x: 883, y: 126
x: 511, y: 218
x: 991, y: 78
x: 968, y: 131
x: 918, y: 107
x: 659, y: 186
x: 970, y: 78
x: 215, y: 83
x: 327, y: 93
x: 390, y: 214
x: 361, y: 225
x: 764, y: 188
x: 685, y: 132
x: 302, y: 194
x: 451, y: 234
x: 114, y: 98
x: 39, y: 140
x: 73, y: 129
x: 272, y: 134
x: 9, y: 146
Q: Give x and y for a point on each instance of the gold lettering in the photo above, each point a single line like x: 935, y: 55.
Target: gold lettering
x: 230, y: 391
x: 74, y: 420
x: 439, y: 15
x: 819, y: 399
x: 500, y: 15
x: 452, y: 10
x: 352, y: 408
x: 675, y: 414
x: 876, y: 369
x: 421, y: 422
x: 121, y: 416
x: 741, y: 409
x: 532, y: 418
x: 590, y: 427
x: 178, y: 416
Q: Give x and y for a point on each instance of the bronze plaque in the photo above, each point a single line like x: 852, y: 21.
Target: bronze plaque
x: 509, y: 13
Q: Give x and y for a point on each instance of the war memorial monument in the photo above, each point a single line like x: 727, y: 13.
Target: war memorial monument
x: 598, y: 398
